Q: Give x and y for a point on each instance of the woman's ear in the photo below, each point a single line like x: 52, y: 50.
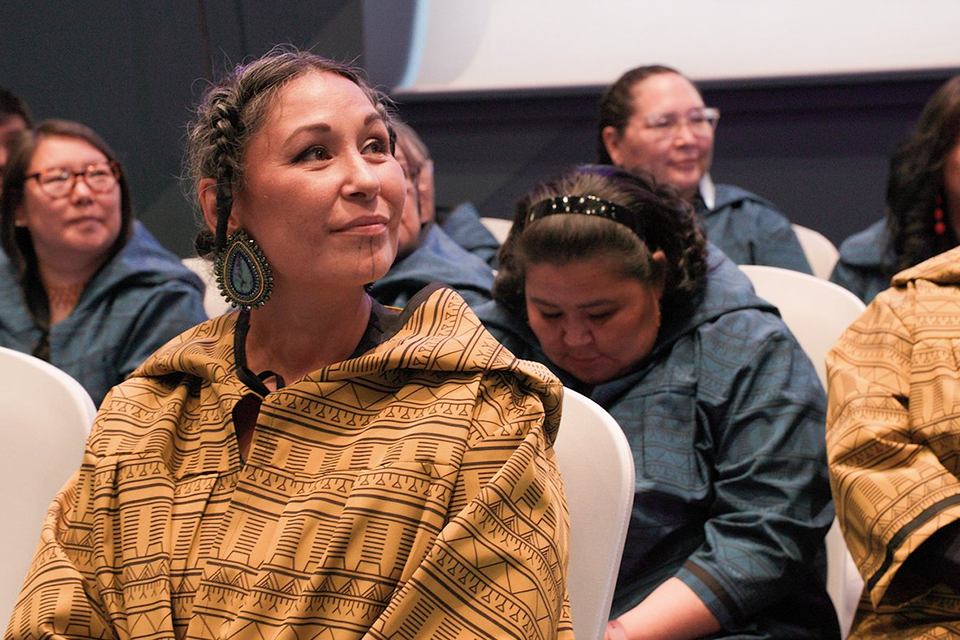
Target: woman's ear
x: 208, y: 206
x: 208, y: 202
x: 611, y: 142
x: 660, y: 260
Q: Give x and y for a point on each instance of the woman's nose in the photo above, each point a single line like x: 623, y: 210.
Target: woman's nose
x: 361, y: 179
x: 575, y: 334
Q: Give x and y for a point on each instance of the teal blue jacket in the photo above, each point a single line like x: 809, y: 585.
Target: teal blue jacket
x: 750, y: 230
x: 464, y: 227
x: 866, y: 262
x: 437, y: 259
x: 136, y: 303
x: 726, y: 421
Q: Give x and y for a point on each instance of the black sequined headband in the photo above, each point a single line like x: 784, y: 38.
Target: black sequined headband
x: 587, y: 205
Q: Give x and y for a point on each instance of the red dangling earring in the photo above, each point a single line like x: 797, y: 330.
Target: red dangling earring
x: 939, y: 226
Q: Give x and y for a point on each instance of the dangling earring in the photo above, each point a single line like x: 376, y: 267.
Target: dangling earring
x: 243, y: 274
x: 939, y: 226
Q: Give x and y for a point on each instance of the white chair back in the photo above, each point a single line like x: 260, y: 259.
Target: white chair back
x: 820, y: 252
x: 46, y: 420
x: 499, y: 227
x: 213, y: 303
x: 598, y: 477
x: 817, y: 312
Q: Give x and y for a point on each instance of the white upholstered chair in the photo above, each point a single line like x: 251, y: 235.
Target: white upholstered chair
x: 213, y: 303
x: 46, y: 418
x: 820, y: 252
x: 499, y: 227
x: 817, y: 312
x: 598, y: 477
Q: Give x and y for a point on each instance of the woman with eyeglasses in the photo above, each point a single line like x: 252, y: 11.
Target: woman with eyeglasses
x: 84, y: 286
x: 607, y: 280
x: 653, y: 119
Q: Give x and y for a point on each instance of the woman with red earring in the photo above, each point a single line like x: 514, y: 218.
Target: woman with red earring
x: 923, y: 202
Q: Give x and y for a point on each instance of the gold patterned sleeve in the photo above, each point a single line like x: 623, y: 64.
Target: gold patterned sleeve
x: 498, y: 568
x: 892, y: 379
x: 60, y: 587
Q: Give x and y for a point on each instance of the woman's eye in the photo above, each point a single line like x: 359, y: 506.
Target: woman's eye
x: 314, y: 153
x: 377, y: 145
x: 555, y: 315
x: 601, y: 316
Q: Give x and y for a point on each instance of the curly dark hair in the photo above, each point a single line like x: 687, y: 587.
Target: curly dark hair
x: 234, y: 109
x: 916, y: 180
x: 616, y: 105
x: 662, y: 221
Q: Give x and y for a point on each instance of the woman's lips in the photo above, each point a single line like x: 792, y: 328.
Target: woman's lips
x: 368, y: 225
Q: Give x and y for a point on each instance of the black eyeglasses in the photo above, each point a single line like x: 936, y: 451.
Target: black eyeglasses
x: 58, y: 182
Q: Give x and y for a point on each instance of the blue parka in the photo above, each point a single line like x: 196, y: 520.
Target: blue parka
x: 464, y: 226
x: 866, y: 262
x: 437, y: 259
x: 726, y: 421
x: 133, y: 305
x: 750, y: 230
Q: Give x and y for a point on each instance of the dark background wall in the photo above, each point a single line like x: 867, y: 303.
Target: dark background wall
x: 817, y: 147
x: 133, y: 69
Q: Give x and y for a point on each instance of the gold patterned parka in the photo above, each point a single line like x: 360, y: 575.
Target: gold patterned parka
x: 408, y: 492
x: 893, y: 439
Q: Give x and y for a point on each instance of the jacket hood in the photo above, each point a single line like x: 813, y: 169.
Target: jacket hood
x: 868, y: 248
x: 941, y: 269
x: 142, y: 261
x: 727, y: 289
x: 437, y: 332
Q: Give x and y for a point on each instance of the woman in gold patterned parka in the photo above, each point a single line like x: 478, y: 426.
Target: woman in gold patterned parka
x: 314, y: 464
x: 893, y: 438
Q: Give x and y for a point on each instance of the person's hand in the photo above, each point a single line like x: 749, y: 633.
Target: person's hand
x: 615, y: 631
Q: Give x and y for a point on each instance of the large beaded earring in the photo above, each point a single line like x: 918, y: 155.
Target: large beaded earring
x: 243, y: 273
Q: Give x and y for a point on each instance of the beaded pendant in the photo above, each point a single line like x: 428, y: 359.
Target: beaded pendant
x: 243, y: 274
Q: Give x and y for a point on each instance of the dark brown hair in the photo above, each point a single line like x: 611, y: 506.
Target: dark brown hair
x: 661, y: 221
x: 13, y: 105
x: 916, y: 180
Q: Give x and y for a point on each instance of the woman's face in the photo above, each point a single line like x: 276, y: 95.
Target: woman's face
x: 591, y: 321
x: 951, y: 187
x: 411, y: 223
x: 80, y: 227
x: 322, y: 195
x: 677, y: 157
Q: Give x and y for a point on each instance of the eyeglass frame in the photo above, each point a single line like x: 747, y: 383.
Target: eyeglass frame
x: 710, y: 115
x: 114, y: 171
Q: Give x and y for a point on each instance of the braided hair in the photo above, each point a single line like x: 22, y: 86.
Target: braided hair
x: 233, y: 110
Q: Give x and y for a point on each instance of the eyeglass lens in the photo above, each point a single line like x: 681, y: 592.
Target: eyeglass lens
x: 700, y: 121
x: 59, y: 181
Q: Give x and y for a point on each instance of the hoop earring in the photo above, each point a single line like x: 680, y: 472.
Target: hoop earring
x: 243, y: 273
